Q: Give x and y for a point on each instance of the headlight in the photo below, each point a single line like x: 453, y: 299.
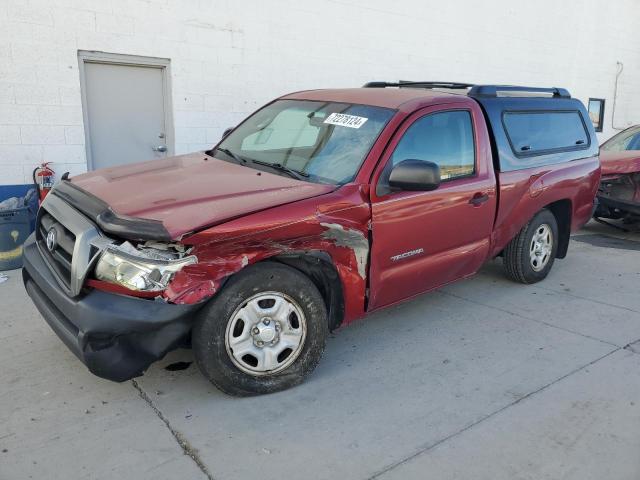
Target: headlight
x: 138, y: 272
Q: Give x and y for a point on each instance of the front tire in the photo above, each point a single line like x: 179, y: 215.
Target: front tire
x: 528, y: 258
x: 264, y: 332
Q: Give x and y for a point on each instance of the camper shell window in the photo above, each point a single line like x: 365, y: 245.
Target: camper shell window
x: 541, y: 132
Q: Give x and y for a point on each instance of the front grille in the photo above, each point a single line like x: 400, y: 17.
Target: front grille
x: 60, y: 257
x: 78, y: 242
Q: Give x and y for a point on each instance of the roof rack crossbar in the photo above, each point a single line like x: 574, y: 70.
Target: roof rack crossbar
x: 495, y: 90
x: 406, y: 83
x: 475, y: 90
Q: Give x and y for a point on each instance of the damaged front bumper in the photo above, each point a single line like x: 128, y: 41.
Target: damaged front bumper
x: 117, y: 337
x: 619, y: 196
x: 614, y: 208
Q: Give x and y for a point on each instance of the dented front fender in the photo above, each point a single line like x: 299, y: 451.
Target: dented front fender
x: 338, y: 226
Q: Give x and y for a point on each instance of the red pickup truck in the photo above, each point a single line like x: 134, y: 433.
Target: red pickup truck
x: 319, y: 208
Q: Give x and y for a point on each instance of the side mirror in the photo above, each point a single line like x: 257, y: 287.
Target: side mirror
x: 227, y: 131
x: 415, y: 175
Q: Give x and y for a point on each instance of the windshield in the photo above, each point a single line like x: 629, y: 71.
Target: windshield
x: 627, y: 140
x: 322, y: 142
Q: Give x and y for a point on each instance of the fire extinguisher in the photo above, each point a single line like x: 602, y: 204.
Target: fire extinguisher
x: 43, y: 179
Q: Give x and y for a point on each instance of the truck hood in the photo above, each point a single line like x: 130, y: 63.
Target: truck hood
x: 190, y: 192
x: 617, y: 163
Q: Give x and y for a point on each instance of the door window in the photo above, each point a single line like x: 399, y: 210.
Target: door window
x: 444, y: 138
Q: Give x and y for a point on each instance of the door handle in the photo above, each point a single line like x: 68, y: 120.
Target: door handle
x: 160, y: 148
x: 479, y: 198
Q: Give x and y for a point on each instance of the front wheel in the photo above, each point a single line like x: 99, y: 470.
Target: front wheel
x: 264, y: 332
x: 528, y: 258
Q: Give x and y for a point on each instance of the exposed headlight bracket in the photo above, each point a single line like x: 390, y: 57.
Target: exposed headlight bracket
x: 141, y: 269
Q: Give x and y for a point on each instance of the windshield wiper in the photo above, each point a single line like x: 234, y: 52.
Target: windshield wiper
x: 235, y: 156
x: 297, y: 174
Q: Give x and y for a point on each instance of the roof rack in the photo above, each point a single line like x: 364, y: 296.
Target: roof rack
x: 513, y: 90
x: 406, y: 83
x: 476, y: 90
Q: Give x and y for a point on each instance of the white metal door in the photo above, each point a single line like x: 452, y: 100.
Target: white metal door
x: 125, y: 112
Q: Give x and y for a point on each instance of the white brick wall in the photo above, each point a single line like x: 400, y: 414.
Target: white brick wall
x: 230, y: 56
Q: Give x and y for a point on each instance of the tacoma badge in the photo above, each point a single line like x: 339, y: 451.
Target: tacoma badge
x: 410, y: 253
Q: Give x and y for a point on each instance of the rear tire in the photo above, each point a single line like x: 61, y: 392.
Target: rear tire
x: 529, y: 256
x: 264, y: 332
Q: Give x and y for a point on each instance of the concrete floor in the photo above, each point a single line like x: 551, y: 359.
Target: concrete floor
x: 484, y: 379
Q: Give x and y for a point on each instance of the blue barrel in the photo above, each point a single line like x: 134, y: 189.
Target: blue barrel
x: 15, y: 227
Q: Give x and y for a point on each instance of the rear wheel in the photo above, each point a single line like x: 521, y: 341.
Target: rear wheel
x: 263, y: 333
x: 528, y: 258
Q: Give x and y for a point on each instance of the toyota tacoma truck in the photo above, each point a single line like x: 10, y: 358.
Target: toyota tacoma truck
x: 319, y: 208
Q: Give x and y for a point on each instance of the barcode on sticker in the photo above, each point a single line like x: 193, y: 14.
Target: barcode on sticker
x: 343, y: 120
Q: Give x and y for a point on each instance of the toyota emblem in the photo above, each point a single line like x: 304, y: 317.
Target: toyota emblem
x: 52, y: 239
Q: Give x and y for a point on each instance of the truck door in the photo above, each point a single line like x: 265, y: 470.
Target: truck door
x: 422, y: 240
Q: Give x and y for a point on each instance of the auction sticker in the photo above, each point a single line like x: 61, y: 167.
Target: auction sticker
x: 344, y: 120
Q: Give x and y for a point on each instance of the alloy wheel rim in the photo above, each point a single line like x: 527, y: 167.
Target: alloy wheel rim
x: 266, y: 334
x: 541, y: 247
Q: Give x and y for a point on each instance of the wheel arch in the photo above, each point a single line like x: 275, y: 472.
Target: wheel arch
x: 319, y: 267
x: 562, y: 210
